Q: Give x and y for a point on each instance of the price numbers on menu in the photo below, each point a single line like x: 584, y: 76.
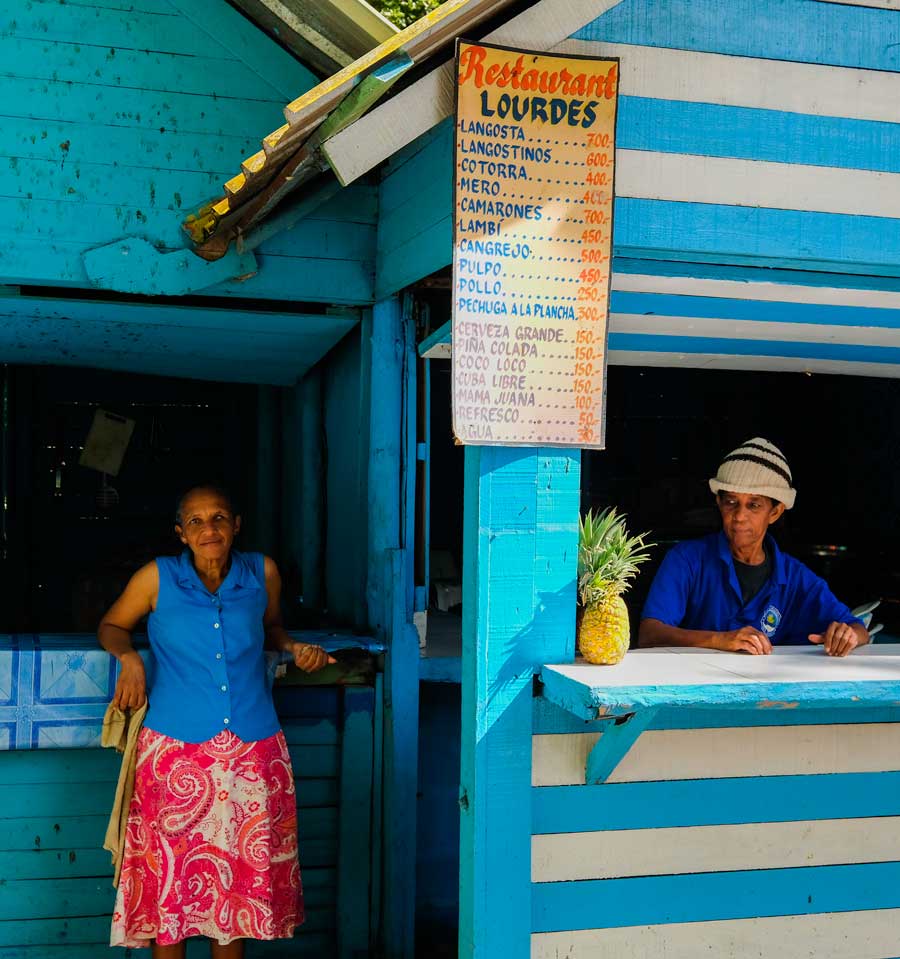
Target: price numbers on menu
x: 593, y: 282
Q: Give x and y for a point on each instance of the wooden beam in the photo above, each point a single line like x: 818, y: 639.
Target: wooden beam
x: 520, y: 547
x: 389, y: 592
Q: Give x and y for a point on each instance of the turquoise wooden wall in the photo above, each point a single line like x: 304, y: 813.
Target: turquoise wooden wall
x: 56, y: 897
x: 122, y: 117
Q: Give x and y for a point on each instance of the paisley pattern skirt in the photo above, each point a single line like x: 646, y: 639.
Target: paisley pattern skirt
x: 211, y: 843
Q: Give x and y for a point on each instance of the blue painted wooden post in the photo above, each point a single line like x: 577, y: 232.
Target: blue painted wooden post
x: 355, y: 826
x: 520, y: 552
x: 389, y: 593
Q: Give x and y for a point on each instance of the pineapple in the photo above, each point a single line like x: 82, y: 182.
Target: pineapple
x: 607, y: 559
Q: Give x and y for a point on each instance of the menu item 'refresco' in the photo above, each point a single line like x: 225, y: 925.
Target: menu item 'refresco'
x: 535, y: 155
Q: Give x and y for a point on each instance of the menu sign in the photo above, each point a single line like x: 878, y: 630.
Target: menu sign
x: 535, y: 154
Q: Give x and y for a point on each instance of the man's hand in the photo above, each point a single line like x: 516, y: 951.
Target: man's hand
x: 311, y: 658
x: 131, y: 689
x: 838, y: 640
x: 744, y: 640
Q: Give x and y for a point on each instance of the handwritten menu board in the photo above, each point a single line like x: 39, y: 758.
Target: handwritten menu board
x: 535, y: 154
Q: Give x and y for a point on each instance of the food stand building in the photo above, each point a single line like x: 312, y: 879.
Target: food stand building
x: 665, y: 807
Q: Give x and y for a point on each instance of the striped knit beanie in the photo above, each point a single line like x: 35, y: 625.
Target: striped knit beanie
x: 756, y: 466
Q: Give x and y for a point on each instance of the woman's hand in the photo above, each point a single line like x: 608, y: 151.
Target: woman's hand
x: 839, y: 639
x: 745, y: 640
x: 311, y: 658
x: 131, y: 689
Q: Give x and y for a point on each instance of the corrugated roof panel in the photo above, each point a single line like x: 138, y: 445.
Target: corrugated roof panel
x: 305, y: 115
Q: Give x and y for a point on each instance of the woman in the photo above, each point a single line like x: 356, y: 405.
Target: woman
x: 735, y: 590
x: 211, y: 843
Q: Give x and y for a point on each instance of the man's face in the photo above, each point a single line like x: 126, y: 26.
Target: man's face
x: 747, y: 516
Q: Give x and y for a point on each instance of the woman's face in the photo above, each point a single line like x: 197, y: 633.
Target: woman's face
x: 208, y: 526
x: 746, y: 517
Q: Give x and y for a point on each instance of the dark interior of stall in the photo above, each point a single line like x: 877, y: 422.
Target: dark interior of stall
x: 667, y: 430
x: 71, y: 535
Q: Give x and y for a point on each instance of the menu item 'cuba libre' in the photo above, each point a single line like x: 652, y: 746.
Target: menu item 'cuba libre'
x: 535, y: 153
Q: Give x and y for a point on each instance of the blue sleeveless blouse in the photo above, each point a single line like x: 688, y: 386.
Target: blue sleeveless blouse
x: 210, y: 666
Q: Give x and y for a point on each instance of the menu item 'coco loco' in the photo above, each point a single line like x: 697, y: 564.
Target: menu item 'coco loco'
x: 535, y: 153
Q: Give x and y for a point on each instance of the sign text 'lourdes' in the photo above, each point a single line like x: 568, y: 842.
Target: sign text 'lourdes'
x: 535, y: 155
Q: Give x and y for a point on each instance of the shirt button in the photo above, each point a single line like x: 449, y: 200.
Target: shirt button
x: 224, y: 689
x: 218, y: 655
x: 226, y: 720
x: 215, y: 625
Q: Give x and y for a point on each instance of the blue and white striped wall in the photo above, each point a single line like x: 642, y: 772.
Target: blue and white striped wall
x: 757, y: 219
x: 718, y: 838
x: 745, y: 319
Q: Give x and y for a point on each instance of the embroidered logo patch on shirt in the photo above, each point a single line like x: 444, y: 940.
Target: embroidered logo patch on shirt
x: 771, y: 619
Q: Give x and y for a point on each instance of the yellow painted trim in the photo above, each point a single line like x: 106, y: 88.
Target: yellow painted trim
x: 395, y: 43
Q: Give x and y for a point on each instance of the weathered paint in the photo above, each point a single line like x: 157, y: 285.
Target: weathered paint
x: 118, y: 126
x: 245, y: 346
x: 519, y: 581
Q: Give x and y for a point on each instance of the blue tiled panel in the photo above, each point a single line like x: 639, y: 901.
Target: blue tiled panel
x: 54, y: 690
x: 73, y: 676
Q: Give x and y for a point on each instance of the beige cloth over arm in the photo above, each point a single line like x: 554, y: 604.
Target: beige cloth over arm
x: 120, y: 731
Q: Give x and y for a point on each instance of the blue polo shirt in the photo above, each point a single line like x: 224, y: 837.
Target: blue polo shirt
x: 696, y: 587
x: 210, y: 665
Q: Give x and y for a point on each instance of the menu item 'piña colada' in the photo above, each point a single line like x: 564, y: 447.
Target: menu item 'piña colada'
x: 608, y: 558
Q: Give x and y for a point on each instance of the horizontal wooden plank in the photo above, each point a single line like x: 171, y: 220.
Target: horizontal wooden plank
x: 76, y: 100
x: 559, y: 760
x: 317, y: 853
x: 741, y: 235
x: 418, y: 256
x: 701, y: 897
x: 782, y: 30
x: 801, y: 88
x: 675, y: 177
x: 713, y: 129
x: 49, y: 899
x: 138, y: 70
x: 810, y: 349
x: 145, y: 187
x: 550, y: 718
x: 140, y: 30
x: 321, y: 280
x: 697, y: 802
x: 125, y: 145
x: 160, y: 7
x: 313, y: 944
x: 25, y: 800
x: 33, y: 766
x: 54, y: 832
x: 94, y: 929
x: 617, y: 853
x: 56, y: 864
x: 311, y: 732
x: 772, y: 316
x: 769, y: 362
x: 315, y: 762
x: 868, y: 934
x: 320, y: 703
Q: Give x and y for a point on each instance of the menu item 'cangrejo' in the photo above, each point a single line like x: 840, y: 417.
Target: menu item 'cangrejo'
x: 535, y: 154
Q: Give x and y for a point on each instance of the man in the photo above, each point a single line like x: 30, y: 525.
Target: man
x: 735, y: 590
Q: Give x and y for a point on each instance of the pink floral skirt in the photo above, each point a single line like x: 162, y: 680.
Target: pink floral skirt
x: 211, y: 844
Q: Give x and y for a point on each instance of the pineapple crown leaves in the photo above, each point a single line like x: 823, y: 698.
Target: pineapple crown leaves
x: 608, y: 558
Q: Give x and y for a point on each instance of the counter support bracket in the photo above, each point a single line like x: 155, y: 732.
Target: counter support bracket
x: 614, y: 743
